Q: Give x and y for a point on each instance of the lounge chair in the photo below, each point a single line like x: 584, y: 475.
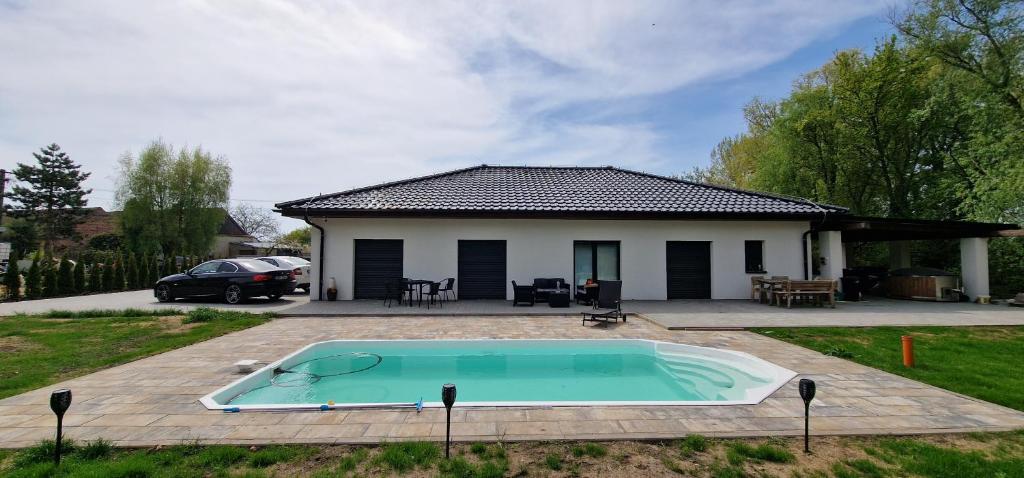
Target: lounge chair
x: 609, y: 297
x: 524, y: 294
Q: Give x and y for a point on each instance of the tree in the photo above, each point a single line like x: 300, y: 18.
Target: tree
x: 106, y: 242
x: 258, y: 222
x: 50, y: 193
x: 34, y: 281
x: 117, y: 276
x: 12, y: 279
x: 107, y: 277
x: 23, y: 236
x: 96, y: 277
x: 154, y: 271
x: 172, y: 200
x: 65, y: 277
x: 168, y: 265
x: 50, y: 287
x: 79, y: 276
x: 301, y: 236
x: 131, y: 271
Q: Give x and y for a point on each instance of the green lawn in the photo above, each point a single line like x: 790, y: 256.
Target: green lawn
x: 982, y: 362
x: 941, y: 456
x: 39, y: 350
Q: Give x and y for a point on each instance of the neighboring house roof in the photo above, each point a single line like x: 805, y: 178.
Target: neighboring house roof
x: 526, y: 191
x: 230, y: 227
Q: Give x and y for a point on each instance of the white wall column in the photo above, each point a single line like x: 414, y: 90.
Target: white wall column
x: 830, y: 251
x: 899, y: 254
x: 974, y: 265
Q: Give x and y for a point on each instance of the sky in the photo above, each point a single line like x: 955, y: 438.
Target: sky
x: 307, y: 97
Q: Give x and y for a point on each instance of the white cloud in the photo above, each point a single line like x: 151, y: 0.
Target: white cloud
x: 307, y: 97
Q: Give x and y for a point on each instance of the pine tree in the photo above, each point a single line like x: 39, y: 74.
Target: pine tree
x: 131, y: 271
x: 107, y: 277
x: 152, y: 271
x: 117, y: 277
x: 79, y: 276
x: 34, y: 281
x: 96, y: 277
x: 12, y: 279
x: 66, y: 277
x: 168, y: 268
x: 50, y: 288
x: 50, y: 194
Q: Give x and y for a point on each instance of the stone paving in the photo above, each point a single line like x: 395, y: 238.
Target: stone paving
x: 155, y: 400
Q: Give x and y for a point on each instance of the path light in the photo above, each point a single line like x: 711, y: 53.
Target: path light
x: 807, y: 389
x: 448, y: 397
x: 60, y: 401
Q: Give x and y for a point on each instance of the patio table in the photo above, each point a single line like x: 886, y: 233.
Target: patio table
x: 418, y: 283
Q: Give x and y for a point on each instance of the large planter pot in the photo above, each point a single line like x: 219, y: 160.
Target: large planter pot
x: 332, y: 290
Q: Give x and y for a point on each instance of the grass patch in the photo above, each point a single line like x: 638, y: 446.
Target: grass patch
x: 272, y: 455
x: 592, y: 450
x: 405, y: 456
x: 926, y: 459
x: 739, y: 452
x: 983, y: 367
x: 100, y: 313
x: 553, y: 462
x: 43, y: 351
x: 693, y: 444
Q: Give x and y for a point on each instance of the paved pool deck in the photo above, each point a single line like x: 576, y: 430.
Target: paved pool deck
x: 154, y: 401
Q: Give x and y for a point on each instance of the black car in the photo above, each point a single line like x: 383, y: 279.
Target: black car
x: 234, y: 280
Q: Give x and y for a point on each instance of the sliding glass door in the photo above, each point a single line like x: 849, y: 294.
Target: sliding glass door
x: 598, y: 260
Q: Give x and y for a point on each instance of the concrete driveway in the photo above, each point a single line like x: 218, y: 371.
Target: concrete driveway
x: 143, y: 299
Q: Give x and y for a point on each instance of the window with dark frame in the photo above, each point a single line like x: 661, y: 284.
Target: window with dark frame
x: 754, y: 256
x: 597, y: 260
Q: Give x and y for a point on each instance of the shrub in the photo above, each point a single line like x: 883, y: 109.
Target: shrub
x: 117, y: 277
x: 50, y: 288
x: 553, y: 462
x: 79, y: 277
x: 12, y: 279
x: 693, y: 444
x: 131, y: 272
x: 66, y: 277
x: 107, y: 278
x: 96, y: 277
x: 34, y: 281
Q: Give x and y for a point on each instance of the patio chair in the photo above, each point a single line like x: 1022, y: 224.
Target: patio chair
x: 523, y: 293
x: 448, y: 288
x: 756, y: 288
x: 392, y: 291
x: 434, y: 291
x: 609, y: 296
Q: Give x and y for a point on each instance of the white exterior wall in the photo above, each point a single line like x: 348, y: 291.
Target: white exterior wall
x: 544, y: 248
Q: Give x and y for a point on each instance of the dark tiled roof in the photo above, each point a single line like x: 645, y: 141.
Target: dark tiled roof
x: 512, y: 191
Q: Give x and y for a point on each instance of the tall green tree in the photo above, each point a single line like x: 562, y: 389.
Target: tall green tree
x: 12, y: 279
x: 79, y: 276
x: 34, y: 281
x: 50, y: 193
x: 107, y: 277
x: 23, y: 236
x: 172, y: 200
x: 131, y: 271
x: 118, y: 276
x: 65, y: 277
x: 96, y: 277
x: 51, y: 287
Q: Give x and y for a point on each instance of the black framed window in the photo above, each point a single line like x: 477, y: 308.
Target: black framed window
x: 598, y: 260
x: 754, y: 256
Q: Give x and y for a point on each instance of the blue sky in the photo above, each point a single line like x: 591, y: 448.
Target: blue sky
x: 310, y: 96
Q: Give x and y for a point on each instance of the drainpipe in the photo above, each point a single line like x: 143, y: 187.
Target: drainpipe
x: 320, y: 273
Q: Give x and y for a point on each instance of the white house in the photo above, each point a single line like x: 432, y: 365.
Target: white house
x: 665, y: 238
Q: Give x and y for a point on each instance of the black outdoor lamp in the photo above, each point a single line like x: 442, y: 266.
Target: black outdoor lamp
x: 807, y: 389
x: 60, y: 401
x: 448, y: 398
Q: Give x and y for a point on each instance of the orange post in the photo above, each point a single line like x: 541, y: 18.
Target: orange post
x: 908, y: 351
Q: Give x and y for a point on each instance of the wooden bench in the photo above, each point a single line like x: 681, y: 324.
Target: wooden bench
x: 817, y: 289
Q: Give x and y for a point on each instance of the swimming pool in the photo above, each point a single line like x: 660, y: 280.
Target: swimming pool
x: 555, y: 372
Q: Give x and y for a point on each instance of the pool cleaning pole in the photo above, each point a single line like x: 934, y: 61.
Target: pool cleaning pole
x: 448, y: 398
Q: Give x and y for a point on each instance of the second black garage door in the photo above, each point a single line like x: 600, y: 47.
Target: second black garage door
x: 689, y: 269
x: 481, y: 270
x: 376, y: 262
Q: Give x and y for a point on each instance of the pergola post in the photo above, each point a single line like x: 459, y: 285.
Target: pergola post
x: 830, y: 252
x: 974, y: 266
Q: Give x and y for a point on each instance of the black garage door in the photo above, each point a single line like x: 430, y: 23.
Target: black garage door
x: 689, y: 269
x: 376, y: 262
x: 481, y: 270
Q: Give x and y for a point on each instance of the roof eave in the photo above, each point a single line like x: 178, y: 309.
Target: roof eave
x: 548, y: 214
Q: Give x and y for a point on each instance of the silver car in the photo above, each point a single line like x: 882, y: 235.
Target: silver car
x: 297, y: 264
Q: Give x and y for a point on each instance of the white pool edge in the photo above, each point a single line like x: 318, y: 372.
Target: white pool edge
x: 781, y: 376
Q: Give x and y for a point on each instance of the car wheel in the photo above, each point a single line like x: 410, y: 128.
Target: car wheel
x: 274, y: 297
x: 233, y: 294
x: 163, y: 293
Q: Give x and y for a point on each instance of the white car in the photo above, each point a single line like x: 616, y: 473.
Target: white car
x: 298, y: 264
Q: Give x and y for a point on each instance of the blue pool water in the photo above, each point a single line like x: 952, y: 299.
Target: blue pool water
x: 503, y: 371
